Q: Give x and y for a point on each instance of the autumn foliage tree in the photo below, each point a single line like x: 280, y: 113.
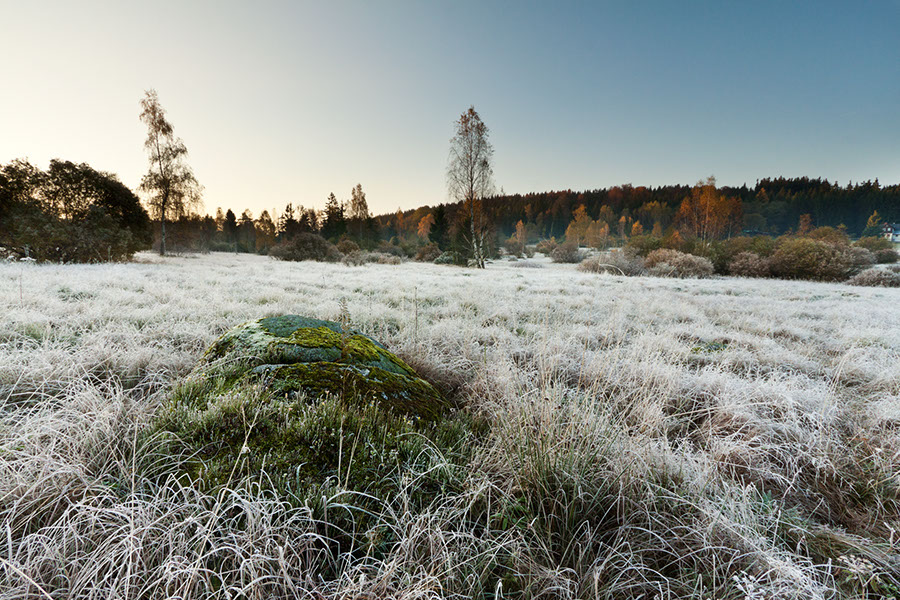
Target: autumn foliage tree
x: 707, y: 214
x: 424, y: 228
x: 577, y: 230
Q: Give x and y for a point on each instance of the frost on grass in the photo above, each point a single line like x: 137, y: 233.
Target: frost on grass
x: 643, y: 437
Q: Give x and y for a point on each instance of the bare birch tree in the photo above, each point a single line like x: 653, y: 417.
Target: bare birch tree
x: 170, y: 184
x: 470, y: 176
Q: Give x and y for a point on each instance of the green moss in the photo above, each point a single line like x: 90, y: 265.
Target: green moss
x: 293, y: 404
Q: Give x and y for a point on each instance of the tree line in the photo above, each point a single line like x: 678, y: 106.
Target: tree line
x: 69, y: 213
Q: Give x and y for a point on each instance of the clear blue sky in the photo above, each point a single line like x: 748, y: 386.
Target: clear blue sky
x: 287, y: 101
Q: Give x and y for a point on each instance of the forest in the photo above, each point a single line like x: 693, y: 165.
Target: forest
x: 773, y: 206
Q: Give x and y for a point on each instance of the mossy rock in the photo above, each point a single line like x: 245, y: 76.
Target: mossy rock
x: 296, y: 404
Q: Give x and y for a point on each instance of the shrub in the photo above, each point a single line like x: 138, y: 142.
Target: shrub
x: 527, y: 264
x: 644, y: 244
x: 359, y: 257
x: 566, y: 253
x: 354, y: 259
x: 383, y: 259
x: 428, y: 253
x: 513, y: 246
x: 616, y: 262
x: 749, y: 264
x: 450, y: 258
x: 874, y: 244
x: 546, y: 246
x: 886, y: 256
x: 306, y: 246
x: 672, y: 263
x: 393, y: 249
x: 805, y: 258
x: 722, y: 253
x: 876, y: 277
x: 858, y: 259
x: 346, y: 246
x: 829, y: 235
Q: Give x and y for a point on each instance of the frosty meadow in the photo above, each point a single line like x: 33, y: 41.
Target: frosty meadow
x: 638, y: 437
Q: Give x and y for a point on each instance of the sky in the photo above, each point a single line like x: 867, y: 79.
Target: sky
x: 283, y: 102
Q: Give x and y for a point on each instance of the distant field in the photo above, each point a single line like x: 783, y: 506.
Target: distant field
x: 721, y: 438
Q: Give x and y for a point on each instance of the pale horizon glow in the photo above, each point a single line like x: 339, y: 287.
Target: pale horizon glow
x: 284, y: 102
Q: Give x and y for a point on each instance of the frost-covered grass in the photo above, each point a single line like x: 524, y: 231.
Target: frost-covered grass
x: 722, y: 438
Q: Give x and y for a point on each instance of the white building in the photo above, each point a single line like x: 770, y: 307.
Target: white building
x: 891, y: 231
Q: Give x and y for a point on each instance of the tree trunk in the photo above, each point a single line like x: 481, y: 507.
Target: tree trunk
x: 162, y: 236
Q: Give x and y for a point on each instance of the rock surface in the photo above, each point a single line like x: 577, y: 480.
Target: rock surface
x: 292, y: 354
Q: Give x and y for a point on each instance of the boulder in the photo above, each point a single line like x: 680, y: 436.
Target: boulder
x: 291, y: 354
x: 297, y: 403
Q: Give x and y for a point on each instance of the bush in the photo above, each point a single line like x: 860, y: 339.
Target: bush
x: 346, y: 246
x: 874, y: 244
x: 876, y: 278
x: 644, y: 244
x: 672, y: 263
x: 615, y: 262
x: 428, y: 253
x: 384, y: 259
x: 513, y: 246
x: 357, y: 258
x: 722, y: 253
x: 546, y: 246
x: 886, y: 256
x: 858, y: 259
x: 527, y: 264
x: 566, y: 253
x: 306, y: 246
x: 393, y: 249
x: 805, y: 258
x: 354, y: 259
x: 749, y: 264
x: 830, y: 235
x: 450, y: 258
x: 808, y: 258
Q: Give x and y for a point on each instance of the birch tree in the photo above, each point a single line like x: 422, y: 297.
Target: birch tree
x: 470, y: 176
x: 170, y: 184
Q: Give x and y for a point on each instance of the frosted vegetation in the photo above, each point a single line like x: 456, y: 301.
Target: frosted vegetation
x: 645, y: 437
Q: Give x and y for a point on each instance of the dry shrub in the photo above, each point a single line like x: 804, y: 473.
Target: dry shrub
x: 354, y: 259
x: 450, y: 257
x: 306, y: 246
x: 527, y: 264
x: 886, y: 256
x: 428, y: 253
x: 876, y: 277
x: 346, y: 246
x: 858, y: 259
x: 616, y: 262
x: 805, y: 258
x: 566, y: 253
x: 874, y: 243
x: 749, y: 264
x: 546, y: 246
x: 666, y: 262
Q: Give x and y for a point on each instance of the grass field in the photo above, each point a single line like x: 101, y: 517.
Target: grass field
x: 653, y: 438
